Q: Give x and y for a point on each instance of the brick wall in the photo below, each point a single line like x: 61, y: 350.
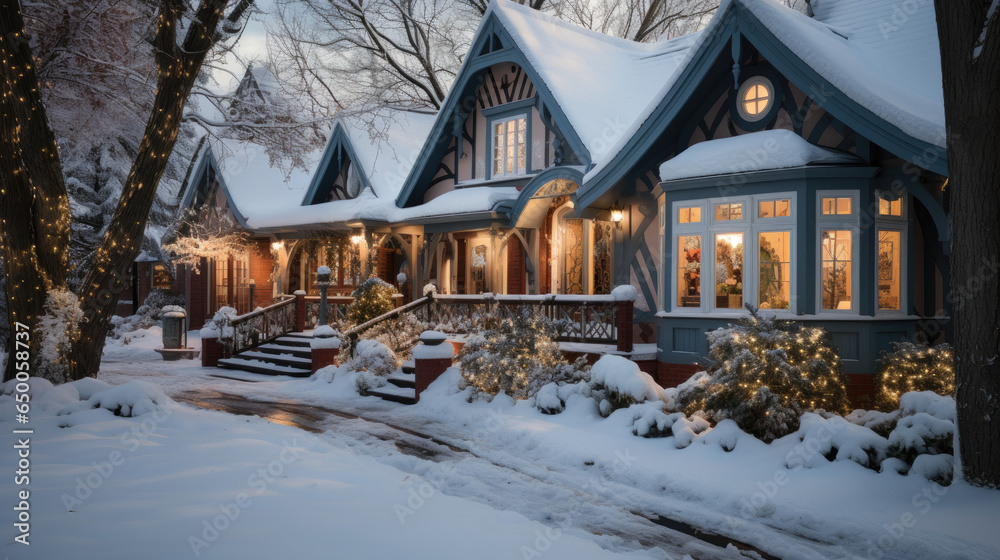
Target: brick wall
x: 261, y: 265
x: 861, y: 389
x: 672, y: 375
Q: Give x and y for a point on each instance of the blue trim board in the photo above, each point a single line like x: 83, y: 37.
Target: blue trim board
x: 460, y: 103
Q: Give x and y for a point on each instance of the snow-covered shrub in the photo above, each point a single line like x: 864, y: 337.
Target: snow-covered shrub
x: 371, y: 299
x: 826, y: 437
x: 366, y: 381
x: 618, y: 382
x: 219, y: 325
x: 651, y: 422
x: 58, y: 329
x: 133, y: 398
x: 400, y: 334
x: 938, y: 468
x: 685, y: 429
x: 553, y: 397
x: 517, y: 355
x: 374, y: 357
x: 764, y: 373
x: 921, y: 434
x: 882, y: 423
x: 148, y: 314
x: 913, y: 367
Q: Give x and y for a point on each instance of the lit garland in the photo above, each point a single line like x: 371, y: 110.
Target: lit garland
x: 764, y: 373
x: 913, y: 367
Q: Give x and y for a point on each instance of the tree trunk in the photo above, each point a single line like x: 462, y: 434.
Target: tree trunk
x: 35, y: 209
x: 972, y: 111
x: 178, y: 69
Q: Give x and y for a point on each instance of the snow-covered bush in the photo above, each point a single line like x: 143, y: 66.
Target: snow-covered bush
x: 371, y: 299
x: 219, y: 325
x: 913, y: 367
x: 374, y: 357
x: 400, y: 334
x: 652, y: 422
x: 366, y: 381
x: 882, y: 423
x: 133, y: 398
x: 618, y: 382
x: 764, y: 373
x: 147, y: 315
x: 516, y: 355
x: 553, y: 397
x: 921, y: 434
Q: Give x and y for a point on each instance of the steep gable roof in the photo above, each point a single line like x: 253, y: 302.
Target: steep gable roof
x: 593, y: 85
x: 882, y: 80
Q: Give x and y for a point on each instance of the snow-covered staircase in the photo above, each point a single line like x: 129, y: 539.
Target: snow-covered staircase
x: 286, y: 355
x: 402, y: 386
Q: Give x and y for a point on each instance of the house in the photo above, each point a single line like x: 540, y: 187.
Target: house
x: 789, y: 161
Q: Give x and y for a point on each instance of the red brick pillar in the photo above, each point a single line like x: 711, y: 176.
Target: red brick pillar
x: 324, y: 347
x: 430, y: 358
x: 300, y: 310
x: 322, y: 357
x: 623, y: 323
x: 212, y: 350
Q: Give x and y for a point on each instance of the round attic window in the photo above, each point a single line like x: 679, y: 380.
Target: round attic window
x: 756, y: 97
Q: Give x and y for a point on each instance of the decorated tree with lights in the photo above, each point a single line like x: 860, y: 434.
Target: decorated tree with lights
x: 516, y: 354
x: 913, y: 367
x: 36, y: 213
x: 374, y: 297
x: 764, y: 373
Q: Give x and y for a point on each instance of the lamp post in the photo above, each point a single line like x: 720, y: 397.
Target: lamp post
x: 323, y: 283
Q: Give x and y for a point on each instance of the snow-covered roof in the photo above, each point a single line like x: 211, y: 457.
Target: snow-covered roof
x: 602, y: 83
x: 890, y: 67
x: 386, y: 145
x: 757, y: 151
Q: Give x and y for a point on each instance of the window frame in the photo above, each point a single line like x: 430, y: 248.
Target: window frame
x: 751, y: 226
x: 898, y: 224
x: 511, y: 115
x: 849, y: 222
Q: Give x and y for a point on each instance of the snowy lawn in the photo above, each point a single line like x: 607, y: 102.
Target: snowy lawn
x: 177, y: 482
x: 757, y: 493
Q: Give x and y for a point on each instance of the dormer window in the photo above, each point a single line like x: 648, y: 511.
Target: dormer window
x: 510, y: 145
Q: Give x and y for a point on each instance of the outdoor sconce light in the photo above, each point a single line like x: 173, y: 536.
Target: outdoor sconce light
x: 277, y: 246
x: 356, y: 239
x: 617, y: 215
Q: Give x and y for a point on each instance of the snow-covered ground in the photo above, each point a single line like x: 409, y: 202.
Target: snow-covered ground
x: 532, y: 485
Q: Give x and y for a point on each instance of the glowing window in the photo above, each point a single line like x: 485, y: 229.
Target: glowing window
x: 774, y: 208
x: 729, y: 211
x: 836, y: 277
x: 836, y: 206
x: 890, y: 207
x: 756, y: 97
x: 689, y: 215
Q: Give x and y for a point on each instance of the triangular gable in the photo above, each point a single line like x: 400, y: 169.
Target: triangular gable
x: 493, y: 45
x: 198, y: 190
x: 332, y: 161
x: 760, y: 22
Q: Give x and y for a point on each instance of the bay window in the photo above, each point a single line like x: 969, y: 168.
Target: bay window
x: 747, y: 243
x: 891, y: 224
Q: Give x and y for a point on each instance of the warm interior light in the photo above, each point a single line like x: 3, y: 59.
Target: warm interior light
x: 356, y: 239
x: 617, y: 214
x: 278, y: 245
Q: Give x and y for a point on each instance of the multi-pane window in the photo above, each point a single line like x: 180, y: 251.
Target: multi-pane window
x: 689, y: 214
x: 890, y: 207
x: 741, y: 254
x: 836, y: 206
x: 836, y: 268
x: 510, y: 146
x: 729, y: 211
x: 889, y: 258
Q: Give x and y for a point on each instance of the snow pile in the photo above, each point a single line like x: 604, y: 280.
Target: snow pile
x: 325, y: 336
x: 618, y: 382
x: 130, y: 399
x: 651, y: 422
x: 824, y: 438
x: 930, y: 402
x: 374, y: 357
x: 219, y: 326
x: 921, y: 434
x: 756, y: 151
x: 441, y: 351
x: 625, y: 292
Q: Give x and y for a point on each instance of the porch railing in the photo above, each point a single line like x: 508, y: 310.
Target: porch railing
x: 589, y: 319
x: 261, y: 326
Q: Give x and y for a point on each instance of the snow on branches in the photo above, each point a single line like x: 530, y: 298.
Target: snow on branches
x: 207, y: 234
